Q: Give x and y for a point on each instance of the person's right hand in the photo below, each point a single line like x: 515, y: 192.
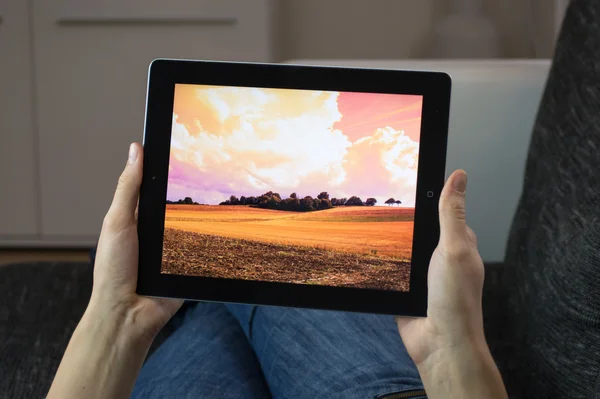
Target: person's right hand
x: 449, y: 344
x: 455, y: 281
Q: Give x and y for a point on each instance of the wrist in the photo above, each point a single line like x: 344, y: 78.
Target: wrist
x: 464, y: 369
x: 104, y: 355
x: 117, y: 322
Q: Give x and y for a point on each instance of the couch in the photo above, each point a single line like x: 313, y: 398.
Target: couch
x: 541, y: 306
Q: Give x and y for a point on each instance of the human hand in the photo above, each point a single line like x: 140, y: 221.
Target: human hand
x: 108, y: 347
x: 448, y: 346
x: 455, y: 281
x: 116, y: 266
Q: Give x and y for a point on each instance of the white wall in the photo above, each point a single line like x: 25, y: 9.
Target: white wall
x: 353, y: 28
x: 384, y: 29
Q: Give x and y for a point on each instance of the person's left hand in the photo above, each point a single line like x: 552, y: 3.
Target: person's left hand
x: 116, y: 266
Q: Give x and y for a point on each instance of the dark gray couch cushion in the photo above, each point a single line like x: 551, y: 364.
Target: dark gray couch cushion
x: 554, y: 244
x: 40, y: 306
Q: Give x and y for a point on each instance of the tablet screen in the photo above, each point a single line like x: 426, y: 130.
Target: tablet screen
x: 292, y: 186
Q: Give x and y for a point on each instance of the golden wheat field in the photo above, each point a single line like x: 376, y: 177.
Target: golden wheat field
x: 362, y: 247
x: 384, y: 231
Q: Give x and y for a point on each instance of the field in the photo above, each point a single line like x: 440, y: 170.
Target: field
x: 364, y: 247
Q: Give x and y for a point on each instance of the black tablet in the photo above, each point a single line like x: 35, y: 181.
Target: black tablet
x: 292, y: 185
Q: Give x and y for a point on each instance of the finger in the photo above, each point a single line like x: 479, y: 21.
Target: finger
x: 472, y: 237
x: 453, y: 225
x: 122, y: 209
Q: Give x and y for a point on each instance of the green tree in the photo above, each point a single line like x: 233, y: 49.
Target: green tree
x: 290, y: 204
x: 354, y: 201
x: 273, y: 202
x: 323, y: 195
x: 324, y: 204
x: 306, y: 204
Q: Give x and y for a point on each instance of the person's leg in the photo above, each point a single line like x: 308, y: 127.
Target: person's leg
x: 208, y: 356
x: 321, y: 354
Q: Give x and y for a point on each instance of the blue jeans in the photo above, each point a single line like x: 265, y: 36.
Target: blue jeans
x: 242, y: 351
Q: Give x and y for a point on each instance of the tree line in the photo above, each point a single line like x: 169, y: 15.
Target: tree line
x: 271, y: 200
x: 185, y: 201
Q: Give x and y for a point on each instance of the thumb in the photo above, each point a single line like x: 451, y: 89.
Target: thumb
x: 453, y: 224
x: 122, y: 210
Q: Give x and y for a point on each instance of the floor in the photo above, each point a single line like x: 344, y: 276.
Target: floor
x: 39, y: 255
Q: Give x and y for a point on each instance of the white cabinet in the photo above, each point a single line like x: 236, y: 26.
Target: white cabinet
x: 72, y: 95
x: 91, y: 61
x: 18, y: 164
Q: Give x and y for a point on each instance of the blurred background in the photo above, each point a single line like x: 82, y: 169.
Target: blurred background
x: 73, y: 79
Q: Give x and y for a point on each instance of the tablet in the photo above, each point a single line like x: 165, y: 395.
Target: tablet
x: 292, y: 185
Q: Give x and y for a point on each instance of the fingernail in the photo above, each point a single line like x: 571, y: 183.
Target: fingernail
x: 133, y: 154
x: 460, y: 182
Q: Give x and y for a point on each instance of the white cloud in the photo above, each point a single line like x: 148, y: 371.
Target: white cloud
x: 252, y: 140
x: 268, y: 138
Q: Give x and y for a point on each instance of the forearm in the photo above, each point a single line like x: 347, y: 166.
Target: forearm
x: 466, y: 371
x: 102, y: 359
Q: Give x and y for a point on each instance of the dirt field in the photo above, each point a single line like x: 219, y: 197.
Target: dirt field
x: 210, y: 256
x: 366, y: 247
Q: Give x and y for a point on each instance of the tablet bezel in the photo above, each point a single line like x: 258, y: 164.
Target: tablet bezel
x: 165, y: 73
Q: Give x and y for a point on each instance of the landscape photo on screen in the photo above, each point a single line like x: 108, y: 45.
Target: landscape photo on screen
x: 292, y: 186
